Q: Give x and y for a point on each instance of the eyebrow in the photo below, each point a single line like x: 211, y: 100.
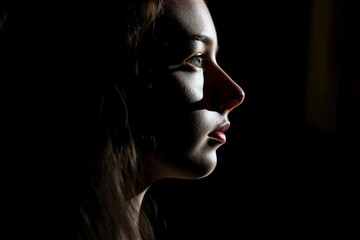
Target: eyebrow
x: 200, y: 37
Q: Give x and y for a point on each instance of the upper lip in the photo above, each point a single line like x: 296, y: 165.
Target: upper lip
x: 224, y: 127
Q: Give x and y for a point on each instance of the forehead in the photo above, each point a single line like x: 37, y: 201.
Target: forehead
x: 190, y: 17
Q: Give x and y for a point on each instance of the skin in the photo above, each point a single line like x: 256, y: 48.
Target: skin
x: 192, y: 97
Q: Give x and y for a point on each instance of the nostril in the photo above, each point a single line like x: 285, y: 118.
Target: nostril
x: 231, y: 104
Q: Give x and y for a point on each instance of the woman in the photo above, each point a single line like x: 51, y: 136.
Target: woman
x: 162, y: 113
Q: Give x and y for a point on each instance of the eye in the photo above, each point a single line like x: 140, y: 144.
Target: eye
x: 196, y: 61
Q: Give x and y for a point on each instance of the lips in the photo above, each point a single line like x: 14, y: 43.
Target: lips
x: 219, y: 134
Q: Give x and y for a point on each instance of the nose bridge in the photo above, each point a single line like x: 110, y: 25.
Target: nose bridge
x: 226, y: 93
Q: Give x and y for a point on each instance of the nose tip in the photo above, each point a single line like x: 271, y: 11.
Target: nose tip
x: 241, y: 95
x: 234, y: 99
x: 226, y: 93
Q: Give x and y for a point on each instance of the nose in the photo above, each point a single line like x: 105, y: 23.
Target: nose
x: 226, y: 93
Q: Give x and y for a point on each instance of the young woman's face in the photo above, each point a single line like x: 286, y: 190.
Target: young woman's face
x: 193, y: 97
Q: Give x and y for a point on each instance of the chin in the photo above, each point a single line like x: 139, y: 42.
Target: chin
x: 184, y: 166
x: 196, y: 169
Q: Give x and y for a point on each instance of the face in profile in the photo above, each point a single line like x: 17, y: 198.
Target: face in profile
x: 192, y: 96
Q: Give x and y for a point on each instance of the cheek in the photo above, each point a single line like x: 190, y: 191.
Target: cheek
x: 176, y: 112
x: 183, y: 135
x: 189, y: 87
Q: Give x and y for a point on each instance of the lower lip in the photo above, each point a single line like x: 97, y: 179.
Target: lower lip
x: 219, y: 136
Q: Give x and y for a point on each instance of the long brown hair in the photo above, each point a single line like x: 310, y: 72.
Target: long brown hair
x: 112, y: 171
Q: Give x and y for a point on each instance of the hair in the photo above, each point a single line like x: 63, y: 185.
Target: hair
x: 115, y: 136
x: 112, y: 170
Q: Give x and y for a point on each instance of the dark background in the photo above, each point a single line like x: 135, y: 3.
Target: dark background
x: 288, y: 169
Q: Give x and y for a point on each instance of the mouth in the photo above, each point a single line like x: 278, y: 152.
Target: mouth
x: 219, y: 134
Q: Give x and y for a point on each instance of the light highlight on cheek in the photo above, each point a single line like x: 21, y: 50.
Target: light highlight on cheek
x: 193, y: 95
x: 191, y: 84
